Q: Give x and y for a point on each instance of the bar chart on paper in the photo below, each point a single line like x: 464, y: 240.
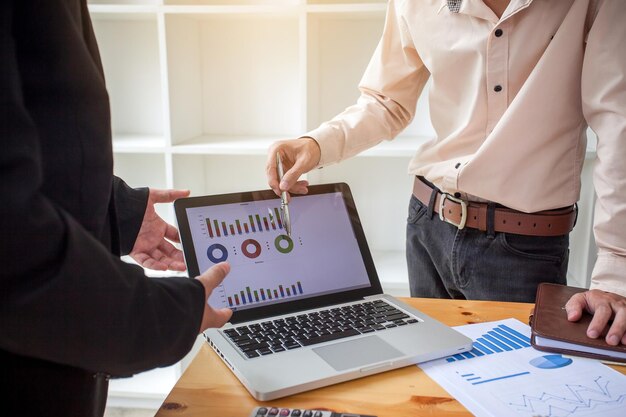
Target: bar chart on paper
x: 504, y: 376
x: 501, y: 338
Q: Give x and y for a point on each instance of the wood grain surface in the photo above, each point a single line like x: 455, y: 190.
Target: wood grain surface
x: 208, y: 387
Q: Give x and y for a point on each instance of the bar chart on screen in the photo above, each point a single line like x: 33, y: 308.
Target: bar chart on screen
x: 268, y: 266
x: 250, y: 295
x: 253, y: 223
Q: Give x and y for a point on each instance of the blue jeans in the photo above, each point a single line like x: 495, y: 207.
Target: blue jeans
x: 445, y: 262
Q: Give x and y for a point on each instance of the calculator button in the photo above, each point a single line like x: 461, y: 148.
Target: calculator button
x: 284, y: 412
x: 307, y: 413
x: 261, y: 411
x: 317, y: 414
x: 273, y: 411
x: 296, y: 413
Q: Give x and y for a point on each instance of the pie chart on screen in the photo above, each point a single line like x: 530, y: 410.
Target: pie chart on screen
x: 550, y: 362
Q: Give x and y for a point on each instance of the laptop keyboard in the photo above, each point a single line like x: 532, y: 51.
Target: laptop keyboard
x: 309, y: 329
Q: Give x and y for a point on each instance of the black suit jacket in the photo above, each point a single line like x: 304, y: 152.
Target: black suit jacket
x: 70, y: 310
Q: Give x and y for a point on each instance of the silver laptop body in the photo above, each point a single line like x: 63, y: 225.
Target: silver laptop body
x: 308, y: 308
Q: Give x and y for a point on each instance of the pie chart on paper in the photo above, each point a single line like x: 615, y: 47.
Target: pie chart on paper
x: 550, y: 362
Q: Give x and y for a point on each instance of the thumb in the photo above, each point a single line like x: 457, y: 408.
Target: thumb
x: 167, y: 196
x: 214, y: 276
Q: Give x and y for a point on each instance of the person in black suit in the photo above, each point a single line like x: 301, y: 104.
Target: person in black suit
x: 72, y: 314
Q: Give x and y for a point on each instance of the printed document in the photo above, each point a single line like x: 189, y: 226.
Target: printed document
x: 503, y: 375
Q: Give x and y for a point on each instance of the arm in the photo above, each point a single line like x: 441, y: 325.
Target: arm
x: 604, y: 106
x: 63, y: 296
x: 389, y: 89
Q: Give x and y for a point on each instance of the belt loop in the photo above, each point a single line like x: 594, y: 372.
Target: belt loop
x: 432, y: 201
x: 491, y: 220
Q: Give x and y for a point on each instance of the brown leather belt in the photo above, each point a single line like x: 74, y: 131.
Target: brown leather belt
x: 474, y: 215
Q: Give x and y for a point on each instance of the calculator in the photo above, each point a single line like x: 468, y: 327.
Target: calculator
x: 299, y: 412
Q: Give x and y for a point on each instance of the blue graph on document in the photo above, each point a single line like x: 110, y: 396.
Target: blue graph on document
x: 575, y: 399
x: 501, y: 338
x: 475, y: 379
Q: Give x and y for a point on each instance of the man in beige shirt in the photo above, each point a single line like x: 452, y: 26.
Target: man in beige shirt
x: 515, y: 83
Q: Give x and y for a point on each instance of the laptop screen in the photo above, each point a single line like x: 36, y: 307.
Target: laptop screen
x: 324, y: 256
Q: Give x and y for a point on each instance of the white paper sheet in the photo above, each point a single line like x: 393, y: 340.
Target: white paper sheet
x: 504, y: 376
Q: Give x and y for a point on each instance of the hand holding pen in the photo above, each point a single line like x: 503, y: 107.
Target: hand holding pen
x: 298, y: 156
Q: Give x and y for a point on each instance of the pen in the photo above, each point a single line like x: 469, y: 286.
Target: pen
x: 284, y: 204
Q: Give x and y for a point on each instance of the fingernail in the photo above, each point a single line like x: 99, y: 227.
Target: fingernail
x: 613, y: 340
x: 284, y: 185
x: 592, y: 333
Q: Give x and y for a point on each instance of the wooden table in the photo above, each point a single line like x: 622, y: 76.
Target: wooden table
x: 208, y: 388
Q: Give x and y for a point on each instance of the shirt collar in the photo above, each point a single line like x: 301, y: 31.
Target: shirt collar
x: 479, y: 9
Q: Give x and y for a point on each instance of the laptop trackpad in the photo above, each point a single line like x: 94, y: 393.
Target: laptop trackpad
x: 357, y: 353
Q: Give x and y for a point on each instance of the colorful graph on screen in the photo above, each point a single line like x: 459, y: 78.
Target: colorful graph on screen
x: 267, y: 265
x: 254, y: 223
x: 256, y: 295
x: 250, y: 248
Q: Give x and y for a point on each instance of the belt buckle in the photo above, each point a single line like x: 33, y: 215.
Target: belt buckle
x: 463, y: 204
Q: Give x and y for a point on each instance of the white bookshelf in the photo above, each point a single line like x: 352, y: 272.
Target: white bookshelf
x: 200, y: 88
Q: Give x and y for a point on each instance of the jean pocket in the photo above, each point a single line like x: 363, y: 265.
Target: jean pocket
x: 547, y: 248
x: 416, y: 210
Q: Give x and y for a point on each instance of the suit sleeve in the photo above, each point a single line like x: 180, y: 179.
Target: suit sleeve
x: 64, y: 297
x: 129, y: 208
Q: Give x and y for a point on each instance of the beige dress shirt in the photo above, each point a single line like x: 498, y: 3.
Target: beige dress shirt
x: 510, y: 102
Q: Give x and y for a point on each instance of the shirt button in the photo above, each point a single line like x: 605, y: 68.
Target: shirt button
x: 497, y: 88
x: 498, y: 33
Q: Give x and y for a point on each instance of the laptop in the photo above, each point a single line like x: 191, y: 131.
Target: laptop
x: 308, y: 309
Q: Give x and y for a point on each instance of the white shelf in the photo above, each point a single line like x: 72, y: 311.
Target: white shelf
x: 235, y: 3
x: 233, y: 145
x: 347, y: 7
x: 138, y: 144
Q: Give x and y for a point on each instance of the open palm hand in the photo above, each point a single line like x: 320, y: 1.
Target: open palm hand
x: 153, y: 248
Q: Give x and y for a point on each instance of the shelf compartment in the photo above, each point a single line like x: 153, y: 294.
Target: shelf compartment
x: 338, y: 51
x: 233, y: 2
x: 219, y: 174
x: 248, y: 86
x: 129, y: 48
